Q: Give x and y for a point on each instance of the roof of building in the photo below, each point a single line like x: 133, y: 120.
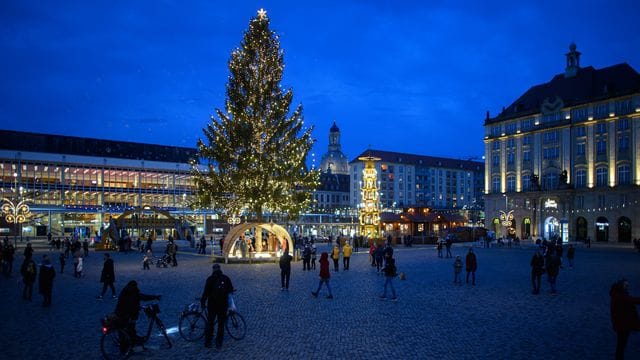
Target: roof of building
x: 71, y: 145
x: 589, y: 85
x: 334, y: 182
x: 422, y: 160
x: 334, y: 128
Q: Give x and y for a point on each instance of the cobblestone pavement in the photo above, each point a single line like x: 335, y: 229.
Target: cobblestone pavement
x: 498, y: 318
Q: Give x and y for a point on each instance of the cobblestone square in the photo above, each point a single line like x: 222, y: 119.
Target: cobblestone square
x: 498, y: 318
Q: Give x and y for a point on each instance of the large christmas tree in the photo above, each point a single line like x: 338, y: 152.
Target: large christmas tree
x: 255, y: 150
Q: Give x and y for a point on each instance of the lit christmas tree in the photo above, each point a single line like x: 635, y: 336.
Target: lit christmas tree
x: 256, y: 151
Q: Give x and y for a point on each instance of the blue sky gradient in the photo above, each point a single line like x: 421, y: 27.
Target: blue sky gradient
x: 406, y: 76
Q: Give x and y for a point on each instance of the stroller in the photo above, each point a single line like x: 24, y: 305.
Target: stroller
x: 163, y: 261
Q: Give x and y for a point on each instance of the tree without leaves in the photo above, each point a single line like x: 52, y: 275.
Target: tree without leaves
x: 256, y: 151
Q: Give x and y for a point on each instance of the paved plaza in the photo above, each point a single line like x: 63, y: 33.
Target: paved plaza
x: 498, y: 318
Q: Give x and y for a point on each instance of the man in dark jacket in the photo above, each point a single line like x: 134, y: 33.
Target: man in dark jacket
x: 471, y: 263
x: 29, y: 270
x: 108, y: 277
x: 552, y: 264
x: 285, y: 269
x: 537, y: 269
x: 624, y: 315
x: 216, y: 297
x: 128, y: 307
x: 45, y: 280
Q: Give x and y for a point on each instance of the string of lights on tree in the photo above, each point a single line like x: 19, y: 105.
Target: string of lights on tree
x: 255, y: 150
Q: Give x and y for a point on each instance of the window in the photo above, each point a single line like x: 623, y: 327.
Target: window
x: 579, y: 202
x: 601, y: 201
x: 526, y: 140
x: 510, y: 158
x: 510, y: 128
x: 623, y: 107
x: 623, y: 124
x: 551, y: 153
x: 601, y: 146
x: 496, y: 130
x: 496, y: 160
x: 511, y: 183
x: 495, y: 184
x: 601, y: 176
x: 581, y: 178
x: 550, y: 136
x: 526, y: 155
x: 527, y: 124
x: 580, y: 148
x: 579, y: 114
x: 601, y: 110
x: 511, y: 143
x: 601, y: 128
x: 580, y: 131
x: 624, y: 175
x: 496, y: 145
x: 526, y: 182
x: 550, y: 181
x: 623, y: 142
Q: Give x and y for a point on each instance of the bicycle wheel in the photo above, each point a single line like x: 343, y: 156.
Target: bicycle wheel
x: 115, y: 344
x: 192, y: 325
x: 164, y: 332
x: 236, y: 327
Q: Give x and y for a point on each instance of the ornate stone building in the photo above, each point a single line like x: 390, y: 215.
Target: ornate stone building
x: 564, y: 158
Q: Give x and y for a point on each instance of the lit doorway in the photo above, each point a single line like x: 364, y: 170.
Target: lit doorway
x: 526, y: 228
x: 624, y: 229
x: 551, y: 228
x: 602, y: 229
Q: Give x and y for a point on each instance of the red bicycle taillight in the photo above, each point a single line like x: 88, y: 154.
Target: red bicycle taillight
x: 105, y: 329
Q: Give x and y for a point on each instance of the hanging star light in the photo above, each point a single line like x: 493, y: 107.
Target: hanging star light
x: 262, y: 13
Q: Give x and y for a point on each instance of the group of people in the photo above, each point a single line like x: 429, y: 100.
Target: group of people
x: 45, y: 275
x: 548, y: 259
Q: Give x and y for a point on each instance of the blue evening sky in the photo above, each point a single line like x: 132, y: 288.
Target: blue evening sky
x: 406, y: 76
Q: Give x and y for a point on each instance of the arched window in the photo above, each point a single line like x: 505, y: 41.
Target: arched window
x: 495, y: 184
x: 624, y: 175
x: 511, y: 183
x: 601, y: 176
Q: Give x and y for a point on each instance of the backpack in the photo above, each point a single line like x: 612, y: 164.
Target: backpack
x: 31, y: 268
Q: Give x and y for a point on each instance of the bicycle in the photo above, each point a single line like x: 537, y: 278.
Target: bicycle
x: 193, y: 322
x: 116, y: 342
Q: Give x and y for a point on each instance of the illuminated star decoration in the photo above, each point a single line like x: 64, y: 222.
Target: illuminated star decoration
x: 262, y: 13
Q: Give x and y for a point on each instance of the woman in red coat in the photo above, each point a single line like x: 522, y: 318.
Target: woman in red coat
x: 472, y: 266
x: 624, y: 315
x: 324, y: 275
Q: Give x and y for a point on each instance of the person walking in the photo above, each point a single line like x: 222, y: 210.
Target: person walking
x: 379, y: 258
x: 285, y: 270
x: 372, y: 254
x: 108, y: 277
x: 537, y: 269
x: 571, y: 253
x: 63, y: 262
x: 390, y: 272
x: 457, y: 269
x: 45, y: 280
x: 306, y: 257
x: 325, y: 275
x: 439, y: 247
x: 146, y: 260
x: 624, y: 315
x: 448, y: 244
x: 552, y: 264
x: 28, y: 251
x: 335, y: 256
x: 471, y: 263
x: 346, y: 256
x: 216, y: 298
x: 172, y: 250
x: 8, y: 254
x: 85, y: 247
x: 314, y: 253
x: 29, y: 270
x: 79, y: 267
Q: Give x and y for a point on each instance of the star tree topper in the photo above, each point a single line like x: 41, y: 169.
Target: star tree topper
x: 262, y: 13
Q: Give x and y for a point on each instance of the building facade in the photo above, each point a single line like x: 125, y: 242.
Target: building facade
x: 564, y: 158
x: 408, y: 180
x: 74, y: 185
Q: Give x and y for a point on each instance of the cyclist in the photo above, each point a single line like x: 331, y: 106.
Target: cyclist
x: 216, y: 297
x: 128, y: 308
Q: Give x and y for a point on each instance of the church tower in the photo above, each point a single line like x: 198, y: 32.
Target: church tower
x: 573, y: 62
x: 334, y: 161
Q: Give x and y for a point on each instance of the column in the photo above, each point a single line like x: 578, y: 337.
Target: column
x: 612, y: 140
x: 590, y: 156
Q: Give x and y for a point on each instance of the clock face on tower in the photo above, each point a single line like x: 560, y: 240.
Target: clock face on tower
x: 551, y: 105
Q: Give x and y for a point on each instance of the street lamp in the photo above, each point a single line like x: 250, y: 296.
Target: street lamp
x: 17, y: 212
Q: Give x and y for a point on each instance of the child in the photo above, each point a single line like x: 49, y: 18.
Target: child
x: 457, y: 269
x: 325, y: 275
x: 389, y: 273
x: 146, y: 260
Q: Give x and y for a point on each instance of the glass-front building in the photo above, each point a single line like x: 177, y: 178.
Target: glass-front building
x: 75, y: 185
